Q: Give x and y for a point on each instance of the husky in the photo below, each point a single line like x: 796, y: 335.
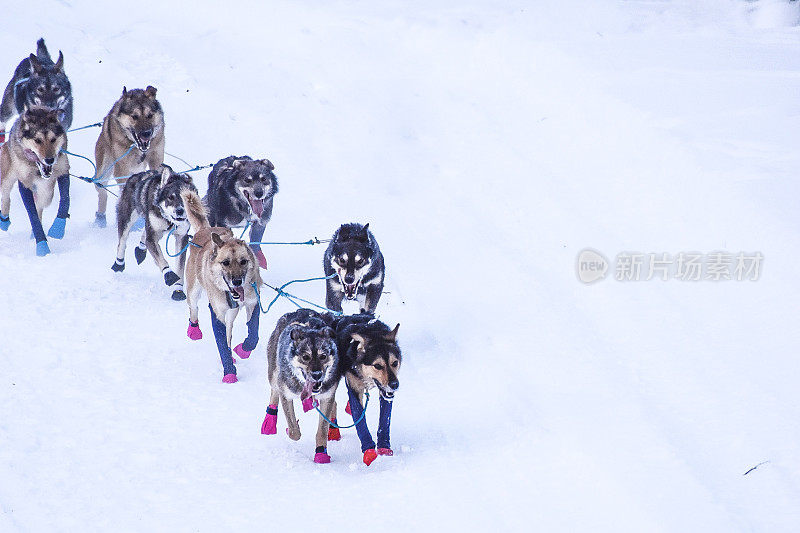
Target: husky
x: 354, y: 256
x: 156, y: 196
x: 131, y: 141
x: 240, y: 190
x: 303, y: 362
x: 33, y: 158
x: 39, y: 82
x: 369, y: 357
x: 227, y: 269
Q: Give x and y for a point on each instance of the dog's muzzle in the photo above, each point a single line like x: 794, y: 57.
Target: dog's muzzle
x: 350, y: 289
x: 386, y: 394
x: 236, y: 291
x: 142, y: 139
x: 256, y: 204
x: 45, y: 167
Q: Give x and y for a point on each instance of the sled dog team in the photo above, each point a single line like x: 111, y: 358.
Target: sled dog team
x: 308, y: 352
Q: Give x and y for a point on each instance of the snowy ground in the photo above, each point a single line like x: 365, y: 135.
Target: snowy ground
x: 486, y: 143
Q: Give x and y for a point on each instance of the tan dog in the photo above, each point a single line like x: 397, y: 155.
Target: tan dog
x: 137, y: 120
x: 32, y: 157
x: 228, y: 271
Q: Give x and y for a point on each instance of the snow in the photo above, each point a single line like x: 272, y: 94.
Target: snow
x: 487, y: 143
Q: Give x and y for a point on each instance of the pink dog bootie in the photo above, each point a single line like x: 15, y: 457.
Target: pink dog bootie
x: 229, y: 378
x: 241, y: 352
x: 309, y: 403
x: 262, y: 261
x: 322, y: 457
x: 270, y: 425
x: 385, y: 451
x: 194, y: 332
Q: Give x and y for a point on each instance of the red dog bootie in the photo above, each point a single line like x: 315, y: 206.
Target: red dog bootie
x: 334, y: 433
x: 241, y: 352
x: 347, y: 408
x: 369, y: 456
x: 270, y: 425
x: 385, y: 451
x: 194, y: 332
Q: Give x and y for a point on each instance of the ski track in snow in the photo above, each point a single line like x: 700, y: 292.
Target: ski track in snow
x: 486, y: 144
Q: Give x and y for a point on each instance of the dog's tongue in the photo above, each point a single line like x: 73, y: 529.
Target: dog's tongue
x: 239, y: 291
x: 30, y: 156
x: 306, y: 392
x: 257, y: 206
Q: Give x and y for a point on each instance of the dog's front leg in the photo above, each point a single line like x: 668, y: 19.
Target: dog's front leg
x: 256, y: 234
x: 244, y: 349
x: 183, y: 241
x: 385, y: 420
x: 291, y: 420
x: 152, y: 238
x: 5, y: 201
x: 223, y: 346
x: 60, y: 223
x: 29, y: 202
x: 326, y: 406
x: 357, y: 409
x: 373, y: 294
x: 333, y: 297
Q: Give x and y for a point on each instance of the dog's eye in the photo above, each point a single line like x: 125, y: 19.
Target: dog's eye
x: 40, y: 89
x: 56, y: 90
x: 226, y: 262
x: 248, y: 179
x: 243, y: 262
x: 306, y: 357
x: 38, y: 141
x: 395, y: 364
x: 150, y: 115
x: 135, y: 116
x: 171, y: 197
x: 378, y: 366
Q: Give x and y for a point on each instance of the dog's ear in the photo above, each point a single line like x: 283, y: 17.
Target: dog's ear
x: 328, y: 332
x: 60, y: 62
x: 124, y: 91
x: 363, y: 235
x: 164, y: 175
x: 36, y: 65
x: 295, y: 334
x: 52, y: 114
x: 238, y: 163
x: 217, y: 240
x: 362, y: 342
x: 150, y: 92
x: 268, y: 164
x: 392, y: 335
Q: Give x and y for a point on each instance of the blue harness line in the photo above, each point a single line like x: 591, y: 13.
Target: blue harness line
x: 292, y: 297
x: 166, y: 244
x: 355, y: 423
x: 95, y: 125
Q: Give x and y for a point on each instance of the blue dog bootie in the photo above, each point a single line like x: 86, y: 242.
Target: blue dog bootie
x: 5, y: 222
x: 100, y: 220
x: 42, y: 248
x: 57, y: 229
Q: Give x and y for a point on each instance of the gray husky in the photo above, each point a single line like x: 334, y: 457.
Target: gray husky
x: 241, y: 189
x: 37, y: 81
x: 354, y: 256
x: 156, y: 196
x: 302, y: 363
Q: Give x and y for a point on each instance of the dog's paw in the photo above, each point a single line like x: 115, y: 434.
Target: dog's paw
x: 229, y: 378
x: 369, y: 456
x: 241, y: 352
x: 57, y: 229
x: 334, y: 433
x: 139, y: 254
x: 322, y: 458
x: 270, y: 425
x: 294, y: 435
x: 5, y: 222
x: 178, y: 295
x: 194, y: 332
x: 100, y: 220
x: 170, y: 278
x: 385, y: 451
x: 118, y: 266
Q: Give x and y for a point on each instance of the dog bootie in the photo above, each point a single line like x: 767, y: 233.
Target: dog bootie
x: 321, y: 456
x: 100, y: 220
x: 42, y: 248
x: 308, y: 404
x: 347, y: 409
x: 229, y: 378
x: 57, y: 229
x: 140, y: 252
x: 170, y: 277
x: 334, y: 433
x: 385, y: 451
x: 369, y: 456
x: 270, y: 424
x: 194, y: 332
x: 241, y: 352
x: 262, y: 261
x: 118, y: 266
x: 5, y: 222
x: 178, y: 295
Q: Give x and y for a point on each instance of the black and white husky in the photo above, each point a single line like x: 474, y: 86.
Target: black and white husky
x: 354, y: 256
x: 39, y: 82
x: 156, y: 196
x: 240, y: 190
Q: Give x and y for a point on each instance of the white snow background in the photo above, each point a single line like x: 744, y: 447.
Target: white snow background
x: 486, y: 143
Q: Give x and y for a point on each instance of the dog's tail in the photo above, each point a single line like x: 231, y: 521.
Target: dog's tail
x: 41, y: 50
x: 195, y: 209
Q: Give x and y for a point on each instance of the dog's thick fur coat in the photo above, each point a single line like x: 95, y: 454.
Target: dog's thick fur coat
x: 354, y: 256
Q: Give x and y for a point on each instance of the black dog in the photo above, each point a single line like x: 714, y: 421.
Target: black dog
x: 38, y: 81
x: 354, y: 256
x: 241, y: 189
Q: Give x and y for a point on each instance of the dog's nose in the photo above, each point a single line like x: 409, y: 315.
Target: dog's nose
x: 237, y: 282
x: 349, y: 278
x: 49, y: 160
x: 394, y: 384
x: 259, y: 193
x: 316, y: 375
x: 179, y: 211
x: 146, y: 133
